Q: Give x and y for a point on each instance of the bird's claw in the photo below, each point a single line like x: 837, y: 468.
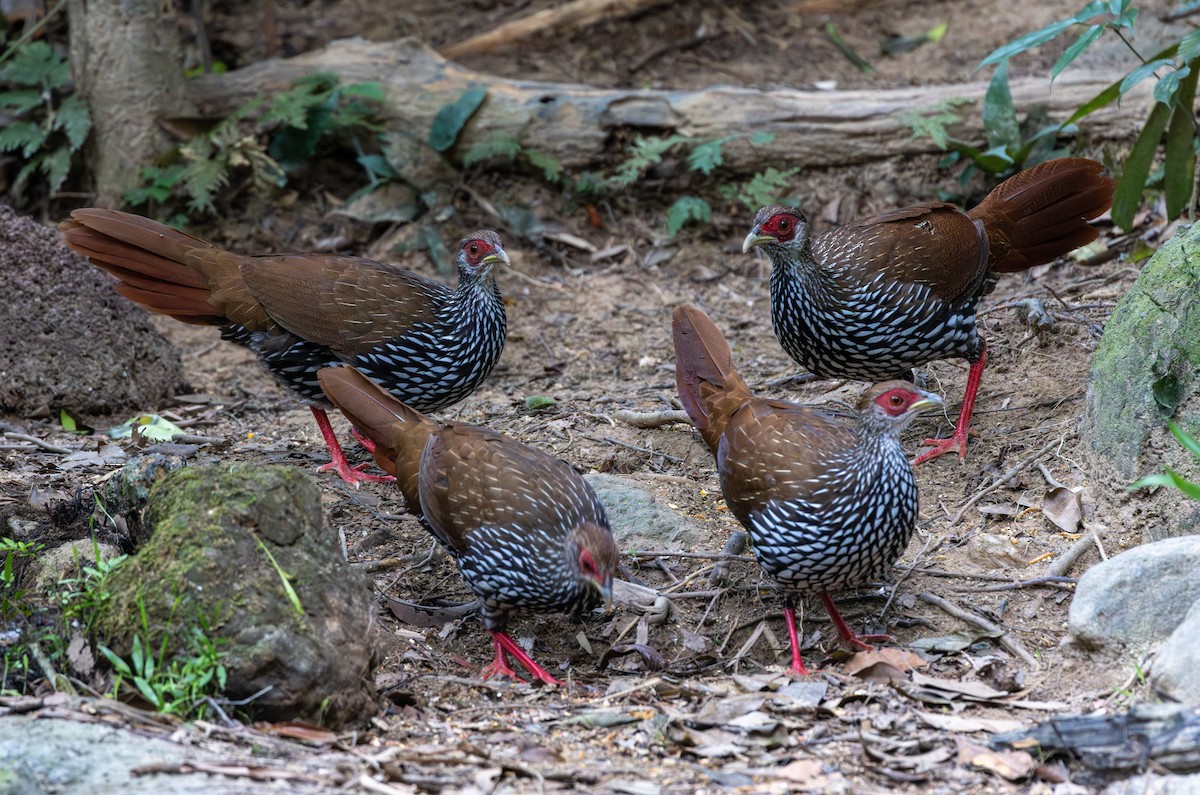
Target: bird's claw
x: 956, y: 442
x: 354, y: 475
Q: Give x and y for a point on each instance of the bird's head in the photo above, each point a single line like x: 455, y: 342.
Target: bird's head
x: 595, y: 556
x: 777, y: 227
x: 890, y: 406
x: 479, y: 253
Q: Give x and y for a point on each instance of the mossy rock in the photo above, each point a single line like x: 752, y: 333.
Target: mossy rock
x: 205, y: 565
x: 1144, y: 373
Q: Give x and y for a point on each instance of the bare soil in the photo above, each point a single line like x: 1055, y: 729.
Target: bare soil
x: 595, y: 336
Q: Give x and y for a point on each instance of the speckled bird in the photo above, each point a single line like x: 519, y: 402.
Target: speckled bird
x: 427, y: 344
x: 829, y: 502
x: 527, y: 531
x: 874, y: 298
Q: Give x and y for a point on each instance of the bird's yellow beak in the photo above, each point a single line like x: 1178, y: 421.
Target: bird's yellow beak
x: 755, y: 238
x: 606, y: 593
x: 929, y: 401
x: 497, y: 256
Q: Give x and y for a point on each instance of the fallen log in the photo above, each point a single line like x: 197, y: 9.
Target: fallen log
x: 575, y: 123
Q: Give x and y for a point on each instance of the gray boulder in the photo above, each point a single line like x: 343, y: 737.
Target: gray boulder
x: 1174, y: 670
x: 66, y: 339
x: 640, y: 521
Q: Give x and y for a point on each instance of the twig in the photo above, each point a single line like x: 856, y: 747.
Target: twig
x: 1002, y: 479
x: 651, y: 419
x: 733, y: 550
x: 640, y: 449
x: 1061, y: 583
x: 1068, y: 559
x: 644, y: 553
x: 24, y: 437
x: 1005, y: 639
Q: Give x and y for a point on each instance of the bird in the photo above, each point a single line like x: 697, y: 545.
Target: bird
x: 874, y: 298
x: 527, y: 531
x: 427, y: 344
x: 828, y: 502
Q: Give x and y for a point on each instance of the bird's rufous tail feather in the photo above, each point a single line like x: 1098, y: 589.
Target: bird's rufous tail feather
x: 710, y: 388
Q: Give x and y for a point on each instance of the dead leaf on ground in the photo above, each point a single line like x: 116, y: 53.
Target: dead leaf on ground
x: 299, y: 730
x: 650, y: 657
x: 1064, y: 508
x: 962, y: 723
x: 802, y: 772
x: 884, y: 665
x: 1010, y: 765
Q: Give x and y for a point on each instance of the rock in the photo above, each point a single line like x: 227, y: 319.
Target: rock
x: 640, y: 521
x: 206, y: 564
x: 64, y: 562
x: 1143, y: 373
x: 43, y: 756
x: 1138, y: 598
x: 1174, y: 669
x: 66, y: 339
x: 1151, y: 784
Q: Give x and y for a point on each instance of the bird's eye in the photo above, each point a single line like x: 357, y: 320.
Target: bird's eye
x: 473, y: 249
x: 897, y: 400
x: 784, y: 224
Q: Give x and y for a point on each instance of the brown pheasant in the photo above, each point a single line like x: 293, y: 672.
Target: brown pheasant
x: 526, y: 529
x: 875, y: 298
x: 828, y: 502
x: 427, y: 344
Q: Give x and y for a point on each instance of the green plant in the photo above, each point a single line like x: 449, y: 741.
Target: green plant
x: 266, y: 141
x: 49, y: 123
x: 13, y: 550
x: 178, y: 684
x: 502, y: 147
x: 81, y: 597
x: 1175, y: 69
x: 1170, y: 477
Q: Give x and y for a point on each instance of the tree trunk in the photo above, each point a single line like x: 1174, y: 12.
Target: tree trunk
x: 575, y: 123
x: 125, y: 59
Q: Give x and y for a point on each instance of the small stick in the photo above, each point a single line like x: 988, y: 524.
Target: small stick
x: 651, y: 419
x: 1002, y: 479
x: 1005, y: 639
x: 733, y: 549
x: 641, y: 553
x: 1060, y: 583
x: 1064, y: 563
x: 24, y: 437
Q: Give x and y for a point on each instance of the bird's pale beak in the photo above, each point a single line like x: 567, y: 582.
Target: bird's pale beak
x: 606, y: 593
x: 497, y: 256
x: 755, y: 238
x: 928, y: 401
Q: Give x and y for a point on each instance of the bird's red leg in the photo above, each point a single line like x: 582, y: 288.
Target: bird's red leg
x: 958, y: 440
x: 789, y: 618
x: 350, y: 474
x: 367, y: 444
x: 503, y: 643
x: 848, y: 635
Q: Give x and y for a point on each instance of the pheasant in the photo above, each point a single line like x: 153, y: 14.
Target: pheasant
x: 874, y: 298
x: 527, y: 531
x: 828, y: 502
x: 427, y: 344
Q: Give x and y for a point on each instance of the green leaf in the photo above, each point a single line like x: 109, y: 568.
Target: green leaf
x: 686, y: 210
x: 1168, y: 84
x: 550, y: 167
x: 1137, y: 167
x: 1188, y: 441
x: 148, y: 692
x: 1167, y: 392
x: 846, y: 49
x: 705, y: 156
x: 372, y: 91
x: 67, y: 421
x: 23, y: 135
x: 1179, y: 156
x: 499, y: 145
x: 56, y: 165
x: 73, y: 119
x: 999, y: 116
x: 36, y: 65
x: 449, y: 121
x: 1075, y: 50
x: 21, y: 100
x: 1142, y: 72
x: 539, y: 402
x: 1027, y: 42
x: 764, y: 138
x: 115, y: 661
x: 1169, y: 478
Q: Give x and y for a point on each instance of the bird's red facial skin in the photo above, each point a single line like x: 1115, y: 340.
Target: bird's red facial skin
x: 587, y: 565
x: 476, y: 250
x: 895, y: 402
x: 781, y: 226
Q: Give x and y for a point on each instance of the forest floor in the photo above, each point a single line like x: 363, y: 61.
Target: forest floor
x: 595, y: 337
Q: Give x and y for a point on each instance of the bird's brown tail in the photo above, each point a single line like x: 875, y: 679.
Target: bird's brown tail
x: 163, y: 269
x: 710, y: 388
x: 1042, y: 213
x: 398, y: 431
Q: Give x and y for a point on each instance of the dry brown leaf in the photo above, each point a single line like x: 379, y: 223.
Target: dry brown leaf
x: 897, y: 658
x: 1010, y: 765
x: 298, y: 730
x: 961, y: 723
x: 802, y: 772
x: 1064, y: 508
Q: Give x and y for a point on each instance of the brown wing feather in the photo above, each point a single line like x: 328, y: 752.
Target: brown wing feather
x: 771, y: 447
x: 347, y: 304
x: 399, y: 432
x: 710, y: 388
x: 932, y: 244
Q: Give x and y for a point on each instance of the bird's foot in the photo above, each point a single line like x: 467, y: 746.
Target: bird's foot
x: 504, y: 646
x: 353, y: 475
x: 789, y: 617
x: 957, y: 442
x: 367, y: 444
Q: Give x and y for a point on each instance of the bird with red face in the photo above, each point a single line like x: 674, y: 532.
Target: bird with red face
x: 427, y: 344
x: 828, y: 502
x: 874, y: 298
x: 526, y: 529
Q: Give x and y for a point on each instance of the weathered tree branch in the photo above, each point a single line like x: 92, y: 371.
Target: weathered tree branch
x: 574, y: 123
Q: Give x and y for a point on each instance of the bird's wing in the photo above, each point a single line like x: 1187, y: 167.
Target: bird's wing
x: 346, y: 304
x: 932, y: 244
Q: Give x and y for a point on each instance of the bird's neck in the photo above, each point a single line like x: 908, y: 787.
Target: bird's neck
x: 475, y: 301
x: 797, y: 272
